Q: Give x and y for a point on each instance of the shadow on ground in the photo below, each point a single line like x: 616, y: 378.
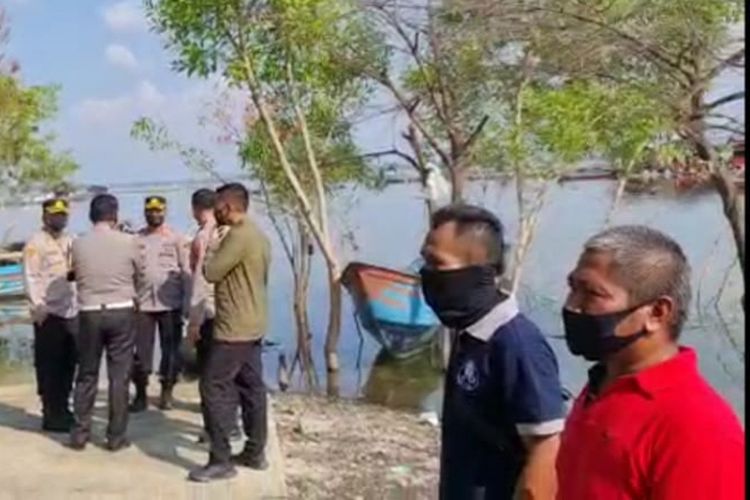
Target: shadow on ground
x: 155, y: 433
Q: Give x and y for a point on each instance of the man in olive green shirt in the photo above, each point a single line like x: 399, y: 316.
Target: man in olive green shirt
x: 239, y: 271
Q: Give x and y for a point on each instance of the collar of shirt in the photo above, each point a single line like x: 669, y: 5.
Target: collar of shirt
x: 163, y: 230
x: 499, y: 316
x: 653, y: 379
x: 103, y: 226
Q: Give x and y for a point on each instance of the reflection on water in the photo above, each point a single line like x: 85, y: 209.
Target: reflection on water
x: 15, y: 343
x: 399, y: 384
x: 387, y: 229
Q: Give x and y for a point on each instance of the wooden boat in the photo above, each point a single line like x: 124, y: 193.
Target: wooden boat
x: 389, y: 305
x: 11, y: 281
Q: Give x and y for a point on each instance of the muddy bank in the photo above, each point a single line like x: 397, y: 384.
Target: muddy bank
x: 351, y: 450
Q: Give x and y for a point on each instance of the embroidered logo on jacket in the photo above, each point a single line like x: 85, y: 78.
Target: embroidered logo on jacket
x: 468, y: 376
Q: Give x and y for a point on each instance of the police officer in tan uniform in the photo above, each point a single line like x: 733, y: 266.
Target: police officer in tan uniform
x: 46, y: 264
x: 163, y: 297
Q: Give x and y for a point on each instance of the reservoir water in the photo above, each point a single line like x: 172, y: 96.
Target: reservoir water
x: 386, y: 227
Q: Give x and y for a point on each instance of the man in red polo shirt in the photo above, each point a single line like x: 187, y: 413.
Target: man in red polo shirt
x: 647, y: 425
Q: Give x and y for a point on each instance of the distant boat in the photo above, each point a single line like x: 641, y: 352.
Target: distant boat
x: 389, y: 305
x: 11, y: 281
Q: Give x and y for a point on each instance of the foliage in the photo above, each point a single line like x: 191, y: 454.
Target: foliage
x: 27, y: 157
x: 299, y: 62
x: 156, y: 137
x: 295, y: 48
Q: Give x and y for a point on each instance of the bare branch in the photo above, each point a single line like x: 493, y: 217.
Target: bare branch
x: 657, y: 54
x: 386, y: 81
x: 734, y: 60
x: 735, y: 96
x: 393, y: 152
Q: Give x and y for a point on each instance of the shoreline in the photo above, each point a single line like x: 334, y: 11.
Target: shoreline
x: 349, y: 449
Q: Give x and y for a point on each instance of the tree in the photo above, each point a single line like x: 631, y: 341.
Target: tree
x: 26, y: 155
x: 439, y: 80
x: 286, y: 54
x: 663, y: 54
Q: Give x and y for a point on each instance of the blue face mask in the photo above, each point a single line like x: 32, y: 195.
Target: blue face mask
x: 593, y: 335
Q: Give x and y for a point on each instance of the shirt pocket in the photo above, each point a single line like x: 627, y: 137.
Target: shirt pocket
x: 54, y: 262
x: 167, y: 257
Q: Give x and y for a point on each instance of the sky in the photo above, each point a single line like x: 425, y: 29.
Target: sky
x: 112, y: 70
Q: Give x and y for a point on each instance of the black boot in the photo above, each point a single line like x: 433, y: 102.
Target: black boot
x: 166, y: 400
x: 212, y: 472
x: 53, y: 418
x: 246, y: 458
x: 140, y: 402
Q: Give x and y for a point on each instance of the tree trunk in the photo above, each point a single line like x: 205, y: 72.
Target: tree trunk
x: 301, y: 312
x: 305, y: 205
x: 619, y: 193
x: 334, y: 327
x: 731, y: 202
x: 733, y: 207
x: 430, y: 207
x: 458, y: 182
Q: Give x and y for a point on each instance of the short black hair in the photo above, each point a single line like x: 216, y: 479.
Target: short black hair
x: 104, y: 208
x: 236, y: 193
x: 204, y: 199
x: 478, y: 223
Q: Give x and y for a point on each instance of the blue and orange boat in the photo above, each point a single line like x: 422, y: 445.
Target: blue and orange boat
x: 11, y: 281
x: 389, y: 305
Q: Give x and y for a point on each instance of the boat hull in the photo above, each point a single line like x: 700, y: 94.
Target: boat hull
x: 389, y: 305
x: 11, y: 281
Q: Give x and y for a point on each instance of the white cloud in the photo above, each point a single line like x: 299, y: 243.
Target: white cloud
x: 98, y: 129
x: 145, y: 99
x: 121, y: 57
x: 125, y: 16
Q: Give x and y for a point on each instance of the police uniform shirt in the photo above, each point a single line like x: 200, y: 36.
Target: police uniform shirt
x: 502, y: 383
x: 202, y: 297
x: 164, y: 274
x: 46, y: 262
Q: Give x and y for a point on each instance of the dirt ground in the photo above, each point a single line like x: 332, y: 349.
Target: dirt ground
x: 350, y: 450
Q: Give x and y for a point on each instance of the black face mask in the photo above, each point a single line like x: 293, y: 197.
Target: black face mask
x: 57, y: 223
x: 593, y: 335
x: 460, y: 297
x: 154, y: 219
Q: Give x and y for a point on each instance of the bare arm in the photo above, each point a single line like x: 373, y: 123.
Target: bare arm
x: 538, y: 480
x: 197, y: 289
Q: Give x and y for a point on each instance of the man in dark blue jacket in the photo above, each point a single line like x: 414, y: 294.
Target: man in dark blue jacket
x: 503, y: 404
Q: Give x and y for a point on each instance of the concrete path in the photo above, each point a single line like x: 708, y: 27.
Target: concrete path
x: 35, y: 465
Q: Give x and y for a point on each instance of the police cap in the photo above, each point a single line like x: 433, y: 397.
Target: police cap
x: 155, y: 203
x: 55, y: 206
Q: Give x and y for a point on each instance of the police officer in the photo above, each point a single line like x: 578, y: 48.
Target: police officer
x: 46, y: 263
x: 163, y: 297
x: 105, y: 263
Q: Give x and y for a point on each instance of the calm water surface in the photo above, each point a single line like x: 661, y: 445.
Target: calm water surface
x: 387, y: 228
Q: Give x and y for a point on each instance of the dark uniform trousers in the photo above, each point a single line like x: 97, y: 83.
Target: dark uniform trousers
x: 111, y: 331
x: 55, y: 363
x: 169, y: 324
x: 203, y: 344
x: 233, y: 373
x: 202, y: 347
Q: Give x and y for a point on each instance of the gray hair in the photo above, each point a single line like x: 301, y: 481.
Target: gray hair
x: 648, y: 264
